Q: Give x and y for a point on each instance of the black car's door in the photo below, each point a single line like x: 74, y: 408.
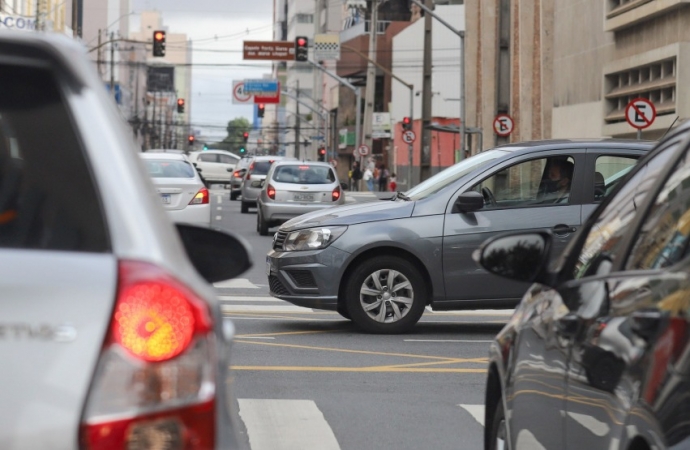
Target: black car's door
x: 616, y: 351
x: 515, y: 200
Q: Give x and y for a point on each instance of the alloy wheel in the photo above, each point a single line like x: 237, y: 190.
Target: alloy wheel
x: 386, y: 296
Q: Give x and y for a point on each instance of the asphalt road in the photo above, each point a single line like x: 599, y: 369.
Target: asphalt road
x: 307, y: 379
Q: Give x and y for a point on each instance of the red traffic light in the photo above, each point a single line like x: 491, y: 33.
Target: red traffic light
x: 322, y: 151
x: 190, y: 139
x: 180, y: 101
x: 406, y: 120
x: 159, y: 35
x: 301, y: 42
x: 245, y: 135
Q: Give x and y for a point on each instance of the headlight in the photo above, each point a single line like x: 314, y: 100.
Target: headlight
x: 312, y: 238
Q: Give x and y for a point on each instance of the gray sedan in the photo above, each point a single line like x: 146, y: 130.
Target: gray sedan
x: 382, y: 263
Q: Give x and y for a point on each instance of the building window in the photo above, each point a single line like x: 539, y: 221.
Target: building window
x: 655, y: 81
x: 616, y: 7
x: 304, y: 18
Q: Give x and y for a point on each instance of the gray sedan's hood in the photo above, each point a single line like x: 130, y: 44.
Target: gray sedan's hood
x: 351, y: 214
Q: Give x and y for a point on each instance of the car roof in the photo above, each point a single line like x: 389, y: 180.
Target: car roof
x: 556, y: 144
x: 216, y: 150
x: 305, y: 163
x: 170, y: 156
x: 273, y: 157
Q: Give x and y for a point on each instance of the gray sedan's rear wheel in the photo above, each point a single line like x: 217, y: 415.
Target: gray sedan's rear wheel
x: 261, y: 224
x: 244, y: 208
x: 386, y: 295
x: 497, y: 441
x: 233, y: 195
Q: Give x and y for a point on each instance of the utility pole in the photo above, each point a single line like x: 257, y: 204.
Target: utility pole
x: 112, y: 66
x: 370, y: 91
x: 99, y: 60
x: 297, y: 122
x: 425, y: 161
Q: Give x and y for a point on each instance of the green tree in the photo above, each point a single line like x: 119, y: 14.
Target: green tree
x: 236, y: 129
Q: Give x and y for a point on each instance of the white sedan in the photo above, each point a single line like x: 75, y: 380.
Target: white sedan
x: 179, y: 185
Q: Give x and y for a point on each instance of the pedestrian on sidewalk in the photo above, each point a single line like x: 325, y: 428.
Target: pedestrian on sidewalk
x: 368, y: 177
x: 356, y: 176
x: 383, y: 178
x: 393, y: 183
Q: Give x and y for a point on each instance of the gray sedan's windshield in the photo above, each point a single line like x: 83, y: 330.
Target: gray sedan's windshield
x: 451, y: 174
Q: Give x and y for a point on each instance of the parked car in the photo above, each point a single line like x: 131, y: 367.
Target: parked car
x: 597, y: 354
x: 252, y: 182
x: 216, y: 165
x: 381, y: 263
x: 293, y: 188
x: 111, y: 336
x: 182, y: 193
x: 237, y: 177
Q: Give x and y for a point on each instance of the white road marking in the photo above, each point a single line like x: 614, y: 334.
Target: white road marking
x: 476, y: 312
x: 218, y: 217
x: 219, y: 199
x: 240, y: 298
x: 286, y: 425
x: 236, y: 283
x: 448, y: 340
x: 476, y: 411
x: 254, y: 337
x: 220, y: 208
x: 264, y: 309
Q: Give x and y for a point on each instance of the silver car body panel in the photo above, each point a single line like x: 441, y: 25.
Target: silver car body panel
x: 77, y: 289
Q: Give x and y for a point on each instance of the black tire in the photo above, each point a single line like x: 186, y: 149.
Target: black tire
x: 233, y: 196
x: 342, y: 310
x: 244, y: 209
x: 261, y: 224
x: 498, y: 427
x: 410, y: 285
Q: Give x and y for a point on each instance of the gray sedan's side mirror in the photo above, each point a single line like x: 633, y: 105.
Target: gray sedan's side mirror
x: 198, y: 169
x: 469, y: 202
x: 517, y: 256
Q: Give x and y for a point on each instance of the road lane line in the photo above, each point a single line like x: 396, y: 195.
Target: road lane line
x: 219, y: 217
x: 476, y: 411
x: 286, y: 333
x: 219, y: 198
x: 449, y: 340
x: 353, y: 369
x: 262, y: 308
x: 282, y: 318
x: 257, y: 337
x: 220, y: 208
x: 426, y: 364
x: 286, y: 425
x: 235, y: 283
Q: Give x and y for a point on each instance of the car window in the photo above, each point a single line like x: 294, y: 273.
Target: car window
x: 208, y: 157
x: 48, y: 199
x: 303, y: 174
x: 604, y: 237
x: 663, y: 237
x: 452, y: 174
x: 608, y: 171
x: 169, y: 169
x: 536, y: 182
x: 261, y: 167
x: 225, y: 159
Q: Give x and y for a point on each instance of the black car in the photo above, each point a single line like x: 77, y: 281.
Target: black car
x: 597, y: 354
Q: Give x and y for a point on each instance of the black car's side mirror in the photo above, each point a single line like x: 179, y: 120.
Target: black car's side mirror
x: 468, y: 202
x: 216, y: 255
x: 518, y: 256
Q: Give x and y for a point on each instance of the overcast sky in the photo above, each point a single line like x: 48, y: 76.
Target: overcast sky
x: 232, y: 22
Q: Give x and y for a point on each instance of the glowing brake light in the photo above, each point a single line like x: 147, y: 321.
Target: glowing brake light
x: 336, y: 194
x: 271, y: 192
x: 236, y: 174
x: 201, y: 197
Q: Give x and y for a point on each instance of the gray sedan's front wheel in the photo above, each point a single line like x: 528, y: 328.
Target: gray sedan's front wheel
x: 386, y: 295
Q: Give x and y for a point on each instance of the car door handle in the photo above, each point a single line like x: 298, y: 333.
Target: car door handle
x: 645, y: 322
x: 563, y: 229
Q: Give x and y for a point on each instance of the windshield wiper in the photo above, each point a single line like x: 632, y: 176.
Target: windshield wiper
x: 402, y: 196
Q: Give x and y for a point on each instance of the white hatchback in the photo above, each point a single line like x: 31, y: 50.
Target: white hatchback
x: 216, y: 166
x: 181, y: 190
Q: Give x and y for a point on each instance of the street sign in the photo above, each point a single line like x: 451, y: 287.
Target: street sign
x: 363, y: 150
x: 503, y: 125
x: 326, y: 46
x: 270, y: 98
x: 409, y: 137
x: 261, y: 86
x: 269, y: 50
x: 640, y: 113
x: 239, y: 96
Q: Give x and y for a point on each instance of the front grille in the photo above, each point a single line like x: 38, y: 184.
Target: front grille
x: 302, y: 278
x: 279, y: 240
x: 276, y: 286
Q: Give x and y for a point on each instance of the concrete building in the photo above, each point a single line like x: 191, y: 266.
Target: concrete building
x: 562, y: 78
x: 30, y: 15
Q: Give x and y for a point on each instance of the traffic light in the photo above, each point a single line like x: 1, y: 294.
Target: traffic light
x: 243, y: 150
x: 159, y: 43
x: 322, y: 154
x: 301, y: 48
x: 180, y: 105
x: 261, y: 109
x: 245, y: 135
x: 406, y: 123
x: 190, y: 139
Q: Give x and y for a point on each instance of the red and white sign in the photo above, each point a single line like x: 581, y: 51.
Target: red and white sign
x: 408, y: 136
x: 363, y: 150
x: 640, y: 113
x: 268, y: 98
x: 503, y: 125
x: 238, y: 94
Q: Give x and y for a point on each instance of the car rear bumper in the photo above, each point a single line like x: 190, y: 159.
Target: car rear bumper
x: 310, y: 278
x: 249, y: 195
x: 272, y: 212
x: 194, y: 214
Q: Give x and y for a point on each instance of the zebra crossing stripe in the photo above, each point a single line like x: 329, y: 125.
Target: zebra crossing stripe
x: 476, y: 411
x: 286, y: 425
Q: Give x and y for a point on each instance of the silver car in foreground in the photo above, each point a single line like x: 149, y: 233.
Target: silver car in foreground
x: 182, y: 192
x: 110, y: 335
x: 293, y: 188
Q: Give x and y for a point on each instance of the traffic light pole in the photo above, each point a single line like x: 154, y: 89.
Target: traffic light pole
x: 323, y: 116
x: 358, y: 91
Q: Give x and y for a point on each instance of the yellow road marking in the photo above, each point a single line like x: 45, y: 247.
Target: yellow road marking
x: 354, y: 369
x: 400, y: 366
x: 286, y: 333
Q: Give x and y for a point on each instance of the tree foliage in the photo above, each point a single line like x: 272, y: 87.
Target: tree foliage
x: 234, y: 140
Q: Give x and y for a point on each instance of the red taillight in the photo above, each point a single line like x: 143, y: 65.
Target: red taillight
x: 271, y: 192
x: 336, y: 194
x: 236, y: 174
x: 156, y: 372
x: 201, y: 197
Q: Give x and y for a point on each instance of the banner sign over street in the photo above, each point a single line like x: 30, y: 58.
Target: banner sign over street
x: 269, y: 50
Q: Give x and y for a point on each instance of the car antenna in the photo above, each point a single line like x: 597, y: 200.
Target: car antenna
x: 669, y: 128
